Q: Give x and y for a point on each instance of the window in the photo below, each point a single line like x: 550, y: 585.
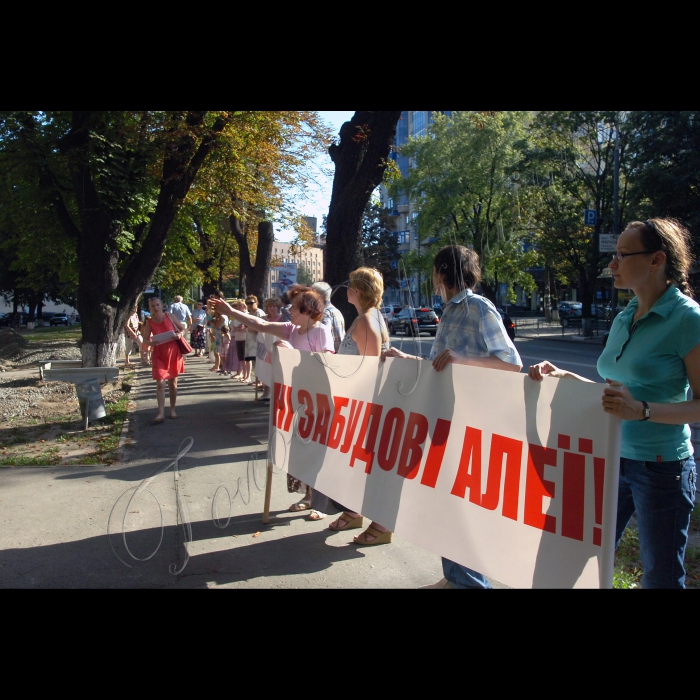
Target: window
x: 418, y: 124
x: 404, y: 237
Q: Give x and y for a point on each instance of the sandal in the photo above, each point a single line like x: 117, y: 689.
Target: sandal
x: 379, y: 537
x: 350, y: 523
x: 316, y: 515
x: 300, y: 505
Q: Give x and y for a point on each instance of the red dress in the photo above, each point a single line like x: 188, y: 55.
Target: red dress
x: 166, y: 358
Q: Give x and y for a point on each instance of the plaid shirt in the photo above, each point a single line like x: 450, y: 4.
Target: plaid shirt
x: 333, y: 318
x: 471, y: 326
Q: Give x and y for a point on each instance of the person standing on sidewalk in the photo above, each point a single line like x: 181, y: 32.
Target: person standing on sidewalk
x: 167, y: 359
x: 331, y: 316
x: 251, y: 339
x: 650, y: 360
x: 132, y: 335
x: 305, y: 332
x: 272, y: 314
x: 470, y: 333
x: 367, y: 336
x: 198, y: 340
x: 181, y: 311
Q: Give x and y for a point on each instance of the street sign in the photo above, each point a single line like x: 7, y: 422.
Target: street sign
x: 607, y: 242
x: 394, y: 264
x: 590, y: 217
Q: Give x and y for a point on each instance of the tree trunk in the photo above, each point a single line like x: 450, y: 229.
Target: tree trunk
x: 104, y: 300
x: 253, y: 276
x: 360, y: 159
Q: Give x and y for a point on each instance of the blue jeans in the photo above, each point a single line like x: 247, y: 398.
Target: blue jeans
x: 662, y: 495
x: 461, y: 577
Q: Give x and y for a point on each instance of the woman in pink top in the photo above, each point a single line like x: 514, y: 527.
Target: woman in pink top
x: 305, y: 332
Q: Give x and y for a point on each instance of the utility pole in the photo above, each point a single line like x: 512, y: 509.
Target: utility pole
x: 616, y: 205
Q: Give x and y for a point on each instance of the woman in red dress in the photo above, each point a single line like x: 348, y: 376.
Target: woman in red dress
x: 167, y: 359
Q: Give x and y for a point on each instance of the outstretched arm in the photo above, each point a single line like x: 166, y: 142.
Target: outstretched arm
x: 253, y: 322
x: 545, y: 368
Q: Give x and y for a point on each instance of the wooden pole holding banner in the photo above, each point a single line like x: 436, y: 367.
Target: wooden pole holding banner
x: 268, y: 481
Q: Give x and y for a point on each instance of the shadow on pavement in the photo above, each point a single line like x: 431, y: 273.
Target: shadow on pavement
x: 90, y: 563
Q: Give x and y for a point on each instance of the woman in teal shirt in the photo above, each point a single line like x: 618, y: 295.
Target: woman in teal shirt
x: 651, y: 358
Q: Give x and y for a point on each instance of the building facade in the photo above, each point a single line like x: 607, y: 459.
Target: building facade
x: 309, y: 259
x: 414, y: 291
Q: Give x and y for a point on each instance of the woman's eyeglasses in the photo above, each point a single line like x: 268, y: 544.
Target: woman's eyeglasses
x: 622, y: 256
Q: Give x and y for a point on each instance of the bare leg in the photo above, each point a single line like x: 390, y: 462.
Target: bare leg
x: 160, y: 396
x: 172, y: 393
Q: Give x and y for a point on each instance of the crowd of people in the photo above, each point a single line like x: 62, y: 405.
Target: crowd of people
x: 651, y: 360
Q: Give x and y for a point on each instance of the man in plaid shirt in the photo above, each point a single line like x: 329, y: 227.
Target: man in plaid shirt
x: 471, y: 332
x: 331, y: 316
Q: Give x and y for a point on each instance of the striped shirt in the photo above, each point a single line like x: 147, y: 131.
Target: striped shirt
x: 472, y: 327
x: 333, y: 318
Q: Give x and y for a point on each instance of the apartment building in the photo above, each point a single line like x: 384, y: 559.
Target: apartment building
x: 310, y: 258
x: 411, y: 125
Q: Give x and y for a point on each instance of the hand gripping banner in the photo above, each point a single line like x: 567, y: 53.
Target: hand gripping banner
x: 513, y: 478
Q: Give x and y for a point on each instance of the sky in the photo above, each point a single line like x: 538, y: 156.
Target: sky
x: 318, y: 199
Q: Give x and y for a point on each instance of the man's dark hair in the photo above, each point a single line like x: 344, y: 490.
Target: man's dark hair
x: 459, y: 265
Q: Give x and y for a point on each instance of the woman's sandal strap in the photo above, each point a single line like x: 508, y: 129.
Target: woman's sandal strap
x: 374, y: 532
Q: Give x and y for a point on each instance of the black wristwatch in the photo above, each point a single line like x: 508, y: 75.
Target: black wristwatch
x: 646, y: 411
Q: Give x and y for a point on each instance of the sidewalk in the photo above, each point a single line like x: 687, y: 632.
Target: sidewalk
x: 535, y: 327
x: 55, y: 520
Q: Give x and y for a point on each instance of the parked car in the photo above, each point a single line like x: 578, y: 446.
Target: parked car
x: 6, y: 319
x: 387, y: 313
x: 508, y: 323
x: 414, y: 322
x: 59, y: 320
x: 600, y: 311
x: 570, y: 312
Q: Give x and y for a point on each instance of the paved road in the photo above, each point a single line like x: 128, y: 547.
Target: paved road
x: 570, y: 354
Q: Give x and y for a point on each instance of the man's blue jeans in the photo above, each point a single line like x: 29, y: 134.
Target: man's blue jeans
x: 461, y: 577
x: 662, y: 495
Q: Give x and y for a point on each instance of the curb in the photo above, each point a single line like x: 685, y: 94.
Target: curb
x: 127, y: 421
x: 52, y: 466
x: 560, y: 339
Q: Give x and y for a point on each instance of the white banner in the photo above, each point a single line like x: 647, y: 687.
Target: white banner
x: 513, y: 478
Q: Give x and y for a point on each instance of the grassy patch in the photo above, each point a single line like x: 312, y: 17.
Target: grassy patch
x: 65, y: 334
x: 41, y: 460
x: 695, y: 518
x: 628, y: 567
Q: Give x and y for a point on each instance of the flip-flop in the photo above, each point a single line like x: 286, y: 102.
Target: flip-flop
x: 173, y: 417
x: 157, y: 421
x: 315, y: 515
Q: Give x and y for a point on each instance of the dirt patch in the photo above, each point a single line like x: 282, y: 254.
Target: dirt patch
x: 41, y: 424
x: 12, y: 344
